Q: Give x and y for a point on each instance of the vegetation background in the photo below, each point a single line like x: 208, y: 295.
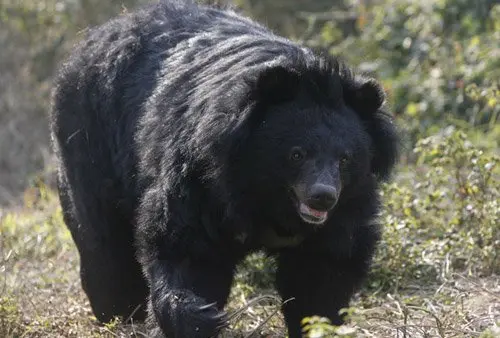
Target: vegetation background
x: 437, y: 271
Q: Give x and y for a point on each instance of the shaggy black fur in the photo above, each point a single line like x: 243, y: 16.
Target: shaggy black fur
x: 189, y: 136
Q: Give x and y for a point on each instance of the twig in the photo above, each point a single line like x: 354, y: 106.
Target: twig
x: 241, y: 310
x: 267, y: 319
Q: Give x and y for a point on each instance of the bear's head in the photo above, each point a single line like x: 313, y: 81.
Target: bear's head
x: 315, y: 137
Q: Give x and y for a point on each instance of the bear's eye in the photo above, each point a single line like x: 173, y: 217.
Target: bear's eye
x: 344, y: 160
x: 297, y: 154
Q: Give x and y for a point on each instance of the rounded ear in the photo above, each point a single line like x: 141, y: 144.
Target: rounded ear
x: 272, y: 85
x: 367, y: 98
x: 275, y: 85
x: 248, y: 99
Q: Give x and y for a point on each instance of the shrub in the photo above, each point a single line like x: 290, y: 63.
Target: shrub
x: 442, y: 215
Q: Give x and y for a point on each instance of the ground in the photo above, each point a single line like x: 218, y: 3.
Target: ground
x: 40, y: 293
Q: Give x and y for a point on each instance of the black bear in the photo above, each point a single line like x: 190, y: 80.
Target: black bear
x: 188, y: 136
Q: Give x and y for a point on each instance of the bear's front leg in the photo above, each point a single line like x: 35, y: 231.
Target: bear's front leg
x: 317, y: 283
x: 187, y: 297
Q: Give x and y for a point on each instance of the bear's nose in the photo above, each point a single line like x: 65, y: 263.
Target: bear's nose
x: 322, y: 197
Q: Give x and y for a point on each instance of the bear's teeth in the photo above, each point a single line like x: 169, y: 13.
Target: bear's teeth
x: 312, y: 212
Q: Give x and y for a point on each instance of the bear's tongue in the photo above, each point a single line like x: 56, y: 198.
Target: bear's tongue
x: 320, y: 215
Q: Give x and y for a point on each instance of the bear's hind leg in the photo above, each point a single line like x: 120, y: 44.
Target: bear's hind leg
x: 110, y: 274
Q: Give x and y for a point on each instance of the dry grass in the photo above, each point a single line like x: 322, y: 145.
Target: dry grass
x: 460, y: 307
x: 40, y: 293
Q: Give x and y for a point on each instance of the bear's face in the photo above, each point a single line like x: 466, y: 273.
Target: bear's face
x: 304, y: 159
x: 305, y: 142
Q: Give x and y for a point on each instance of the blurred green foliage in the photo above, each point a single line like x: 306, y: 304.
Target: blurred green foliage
x: 439, y: 60
x: 49, y: 27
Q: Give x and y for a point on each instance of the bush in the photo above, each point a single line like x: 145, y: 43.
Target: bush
x: 442, y: 215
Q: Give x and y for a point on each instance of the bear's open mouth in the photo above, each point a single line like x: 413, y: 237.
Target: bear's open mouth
x: 311, y: 215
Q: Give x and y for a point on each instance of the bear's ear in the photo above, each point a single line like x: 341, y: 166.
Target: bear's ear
x: 365, y: 96
x: 267, y: 87
x: 367, y: 99
x: 276, y: 85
